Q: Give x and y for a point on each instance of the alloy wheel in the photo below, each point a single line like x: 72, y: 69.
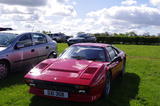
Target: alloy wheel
x: 3, y: 70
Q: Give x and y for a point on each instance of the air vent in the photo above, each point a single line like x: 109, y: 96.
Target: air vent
x: 51, y: 69
x: 90, y: 70
x: 41, y: 65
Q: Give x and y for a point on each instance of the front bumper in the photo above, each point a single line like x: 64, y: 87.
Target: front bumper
x: 72, y: 96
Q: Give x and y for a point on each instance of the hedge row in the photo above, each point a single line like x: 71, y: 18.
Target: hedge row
x: 129, y: 40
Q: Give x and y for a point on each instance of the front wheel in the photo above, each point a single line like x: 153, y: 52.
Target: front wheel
x: 107, y: 86
x: 52, y: 55
x: 3, y: 70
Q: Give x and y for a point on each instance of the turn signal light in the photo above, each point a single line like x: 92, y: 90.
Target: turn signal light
x: 28, y: 81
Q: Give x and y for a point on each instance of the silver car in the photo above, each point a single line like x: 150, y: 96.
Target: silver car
x: 23, y: 50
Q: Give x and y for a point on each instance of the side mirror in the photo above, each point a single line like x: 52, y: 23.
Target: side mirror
x: 19, y: 45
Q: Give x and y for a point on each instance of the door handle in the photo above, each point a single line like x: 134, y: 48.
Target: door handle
x: 47, y: 47
x: 32, y: 50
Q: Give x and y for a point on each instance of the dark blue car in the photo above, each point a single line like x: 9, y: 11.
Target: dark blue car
x: 81, y: 38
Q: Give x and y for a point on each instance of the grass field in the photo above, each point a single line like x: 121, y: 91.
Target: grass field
x: 140, y: 87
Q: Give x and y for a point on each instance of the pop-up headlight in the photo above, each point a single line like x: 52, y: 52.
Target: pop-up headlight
x: 37, y: 69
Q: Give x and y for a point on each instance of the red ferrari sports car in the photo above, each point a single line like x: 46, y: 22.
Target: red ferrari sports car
x: 83, y: 73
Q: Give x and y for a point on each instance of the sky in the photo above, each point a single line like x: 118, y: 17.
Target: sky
x: 90, y: 16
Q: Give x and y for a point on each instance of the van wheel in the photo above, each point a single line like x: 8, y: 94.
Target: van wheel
x: 3, y: 70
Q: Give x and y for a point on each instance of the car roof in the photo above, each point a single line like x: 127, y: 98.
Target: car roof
x: 13, y: 32
x: 93, y: 44
x: 17, y: 32
x: 1, y: 33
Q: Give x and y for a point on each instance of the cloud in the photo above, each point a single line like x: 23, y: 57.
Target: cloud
x: 60, y: 10
x: 129, y: 2
x: 155, y: 2
x: 61, y: 16
x: 5, y: 9
x: 62, y: 1
x: 49, y: 17
x: 25, y: 2
x: 131, y: 14
x: 125, y: 18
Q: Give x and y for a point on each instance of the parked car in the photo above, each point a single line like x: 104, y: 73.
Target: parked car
x: 81, y: 73
x: 81, y: 38
x: 23, y: 50
x: 59, y: 37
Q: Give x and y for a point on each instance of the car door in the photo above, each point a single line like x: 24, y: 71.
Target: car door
x: 115, y: 65
x: 40, y: 42
x: 24, y: 54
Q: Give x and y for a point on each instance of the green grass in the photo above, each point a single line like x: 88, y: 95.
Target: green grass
x: 142, y: 51
x: 140, y: 87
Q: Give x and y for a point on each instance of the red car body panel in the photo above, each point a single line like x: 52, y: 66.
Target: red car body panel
x: 73, y: 71
x: 91, y: 74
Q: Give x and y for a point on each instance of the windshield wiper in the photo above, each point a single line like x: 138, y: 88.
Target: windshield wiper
x: 78, y: 57
x: 93, y: 59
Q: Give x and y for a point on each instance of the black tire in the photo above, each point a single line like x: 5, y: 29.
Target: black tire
x: 3, y: 70
x: 107, y: 87
x: 123, y: 69
x: 52, y: 55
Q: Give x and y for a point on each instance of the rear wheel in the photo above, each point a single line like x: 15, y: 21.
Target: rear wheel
x: 123, y: 70
x: 3, y: 70
x: 107, y: 86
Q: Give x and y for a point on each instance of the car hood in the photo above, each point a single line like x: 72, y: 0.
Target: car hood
x: 70, y: 71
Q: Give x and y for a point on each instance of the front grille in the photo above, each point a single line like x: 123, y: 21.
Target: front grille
x: 55, y: 86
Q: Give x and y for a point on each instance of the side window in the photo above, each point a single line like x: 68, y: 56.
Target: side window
x: 111, y: 52
x: 26, y: 40
x: 116, y: 51
x: 39, y: 39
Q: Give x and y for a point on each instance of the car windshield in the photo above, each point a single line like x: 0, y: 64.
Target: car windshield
x: 6, y: 39
x: 84, y: 53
